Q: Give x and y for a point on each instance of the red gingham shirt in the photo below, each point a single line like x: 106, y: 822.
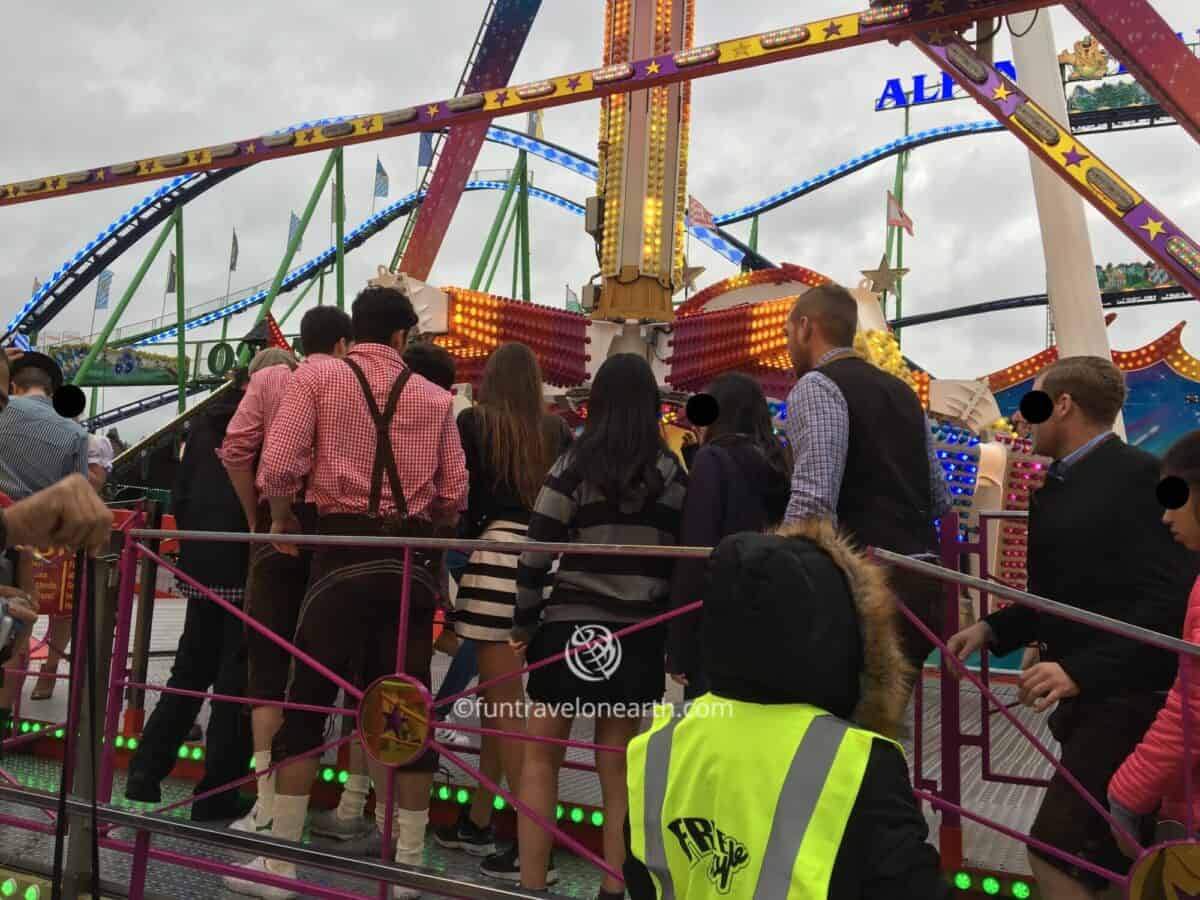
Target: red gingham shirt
x: 324, y: 413
x: 248, y: 428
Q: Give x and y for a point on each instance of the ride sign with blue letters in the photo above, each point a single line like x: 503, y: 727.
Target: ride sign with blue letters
x: 925, y: 89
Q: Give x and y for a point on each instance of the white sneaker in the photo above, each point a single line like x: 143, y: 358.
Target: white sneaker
x: 248, y: 824
x: 256, y: 889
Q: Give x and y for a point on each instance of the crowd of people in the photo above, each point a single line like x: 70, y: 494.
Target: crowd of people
x: 783, y: 775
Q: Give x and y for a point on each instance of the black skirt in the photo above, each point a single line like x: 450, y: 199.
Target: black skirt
x: 630, y: 669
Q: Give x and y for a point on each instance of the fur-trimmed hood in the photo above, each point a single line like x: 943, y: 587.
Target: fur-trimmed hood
x: 886, y: 674
x: 799, y: 616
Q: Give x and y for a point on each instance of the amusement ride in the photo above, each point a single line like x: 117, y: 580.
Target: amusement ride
x: 640, y: 216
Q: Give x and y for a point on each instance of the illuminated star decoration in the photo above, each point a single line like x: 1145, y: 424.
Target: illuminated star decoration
x: 1153, y: 227
x: 431, y: 110
x: 653, y: 68
x: 573, y: 83
x: 885, y: 278
x: 1073, y: 157
x: 833, y: 28
x: 1001, y: 93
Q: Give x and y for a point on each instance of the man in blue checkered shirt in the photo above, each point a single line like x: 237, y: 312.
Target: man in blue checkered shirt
x: 863, y: 451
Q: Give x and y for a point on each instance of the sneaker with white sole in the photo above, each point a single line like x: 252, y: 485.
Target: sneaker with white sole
x: 327, y: 823
x: 249, y: 824
x: 506, y: 865
x: 465, y: 835
x: 256, y: 889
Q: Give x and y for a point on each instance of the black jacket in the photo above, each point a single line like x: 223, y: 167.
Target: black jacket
x: 731, y: 488
x: 1096, y: 541
x: 884, y: 852
x: 204, y: 500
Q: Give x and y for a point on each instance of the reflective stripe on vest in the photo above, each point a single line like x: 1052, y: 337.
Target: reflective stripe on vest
x: 801, y: 831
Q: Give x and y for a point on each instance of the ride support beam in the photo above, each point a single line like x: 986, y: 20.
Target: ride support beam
x: 512, y: 217
x: 490, y: 244
x: 893, y: 25
x: 523, y: 231
x: 102, y: 341
x: 295, y: 303
x: 339, y: 226
x: 181, y: 310
x: 1069, y: 158
x: 1134, y: 33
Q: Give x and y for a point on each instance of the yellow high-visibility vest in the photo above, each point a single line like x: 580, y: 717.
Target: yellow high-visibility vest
x: 742, y: 800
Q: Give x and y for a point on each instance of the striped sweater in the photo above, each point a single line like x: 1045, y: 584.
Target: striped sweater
x: 621, y: 589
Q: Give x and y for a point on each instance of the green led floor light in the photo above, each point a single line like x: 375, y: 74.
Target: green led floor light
x: 327, y: 774
x: 197, y: 754
x: 444, y: 792
x: 132, y: 743
x: 33, y: 892
x: 24, y: 728
x: 120, y: 742
x: 9, y: 887
x: 252, y: 765
x: 577, y: 815
x: 962, y: 881
x: 343, y: 776
x: 991, y: 886
x: 498, y: 803
x: 59, y: 733
x: 183, y: 752
x: 463, y: 796
x: 558, y: 811
x: 1021, y: 890
x: 598, y: 819
x: 37, y: 726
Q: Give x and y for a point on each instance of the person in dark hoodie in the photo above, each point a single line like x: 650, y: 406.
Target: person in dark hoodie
x: 738, y: 480
x: 211, y: 648
x: 786, y: 780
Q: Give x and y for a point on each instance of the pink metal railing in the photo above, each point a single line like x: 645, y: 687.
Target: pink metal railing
x: 945, y: 795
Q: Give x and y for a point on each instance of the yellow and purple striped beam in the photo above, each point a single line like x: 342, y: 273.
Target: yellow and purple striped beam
x: 893, y: 23
x: 1099, y: 184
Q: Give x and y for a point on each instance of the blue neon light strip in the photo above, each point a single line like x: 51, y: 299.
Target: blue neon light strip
x: 382, y: 218
x: 853, y: 165
x: 134, y: 211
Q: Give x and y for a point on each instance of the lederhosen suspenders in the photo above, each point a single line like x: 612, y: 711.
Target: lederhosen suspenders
x: 385, y: 458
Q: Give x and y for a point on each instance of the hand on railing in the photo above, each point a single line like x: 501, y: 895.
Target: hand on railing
x: 1043, y: 685
x: 66, y: 514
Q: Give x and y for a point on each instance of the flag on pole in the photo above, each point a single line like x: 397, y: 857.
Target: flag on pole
x: 381, y: 179
x: 22, y: 342
x: 293, y: 227
x: 534, y: 126
x: 425, y: 149
x: 699, y: 216
x: 573, y: 304
x: 171, y: 276
x: 37, y: 285
x: 897, y: 216
x: 102, y: 285
x: 233, y: 253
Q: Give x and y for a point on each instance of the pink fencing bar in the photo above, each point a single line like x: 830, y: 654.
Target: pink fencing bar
x: 945, y: 796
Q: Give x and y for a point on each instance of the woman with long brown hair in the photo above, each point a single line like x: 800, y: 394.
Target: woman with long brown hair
x: 510, y: 443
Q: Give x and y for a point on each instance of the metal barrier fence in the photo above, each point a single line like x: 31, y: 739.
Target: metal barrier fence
x: 107, y: 689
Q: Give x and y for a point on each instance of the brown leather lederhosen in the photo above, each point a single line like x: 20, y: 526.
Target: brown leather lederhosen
x: 351, y: 608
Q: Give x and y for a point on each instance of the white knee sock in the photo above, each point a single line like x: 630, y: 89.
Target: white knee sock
x: 266, y: 788
x: 287, y: 825
x: 408, y: 831
x: 354, y: 797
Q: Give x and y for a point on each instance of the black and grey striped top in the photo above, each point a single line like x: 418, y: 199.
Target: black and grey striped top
x: 598, y: 588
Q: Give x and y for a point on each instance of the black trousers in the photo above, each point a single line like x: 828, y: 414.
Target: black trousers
x: 211, y: 653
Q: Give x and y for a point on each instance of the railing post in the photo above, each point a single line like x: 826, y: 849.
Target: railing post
x: 98, y: 616
x: 135, y: 698
x: 950, y: 834
x: 119, y: 667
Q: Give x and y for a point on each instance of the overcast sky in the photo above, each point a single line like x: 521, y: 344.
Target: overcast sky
x: 134, y: 79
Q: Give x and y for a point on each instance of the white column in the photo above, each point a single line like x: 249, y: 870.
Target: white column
x: 1070, y: 264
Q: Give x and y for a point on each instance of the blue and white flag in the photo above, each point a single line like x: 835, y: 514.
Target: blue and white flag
x: 381, y: 179
x: 103, y: 283
x: 22, y: 342
x: 293, y: 227
x: 425, y: 150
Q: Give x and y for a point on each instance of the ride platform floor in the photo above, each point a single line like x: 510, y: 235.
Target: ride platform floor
x: 1012, y: 805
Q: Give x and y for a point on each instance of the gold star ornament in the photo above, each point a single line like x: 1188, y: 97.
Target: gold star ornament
x: 1153, y: 227
x: 885, y: 278
x: 1001, y: 93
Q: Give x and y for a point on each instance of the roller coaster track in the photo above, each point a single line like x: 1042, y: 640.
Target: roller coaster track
x: 137, y: 407
x: 1110, y: 300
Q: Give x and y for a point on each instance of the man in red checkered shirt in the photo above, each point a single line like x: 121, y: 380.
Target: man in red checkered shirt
x: 379, y: 448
